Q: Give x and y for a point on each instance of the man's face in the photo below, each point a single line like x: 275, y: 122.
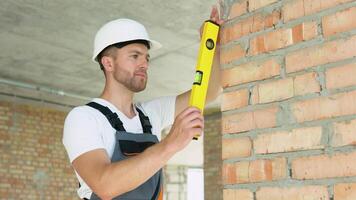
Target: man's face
x: 131, y: 65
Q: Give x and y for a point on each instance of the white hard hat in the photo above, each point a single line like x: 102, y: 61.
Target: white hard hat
x: 121, y: 30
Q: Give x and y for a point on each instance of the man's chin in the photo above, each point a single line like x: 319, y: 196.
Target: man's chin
x: 137, y: 86
x: 138, y: 89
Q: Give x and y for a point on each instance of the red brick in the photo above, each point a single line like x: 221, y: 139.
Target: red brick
x: 284, y: 141
x: 257, y: 45
x: 255, y: 171
x: 296, y: 34
x: 282, y: 38
x: 344, y: 133
x: 260, y: 170
x: 234, y: 100
x: 240, y: 194
x: 249, y: 72
x: 4, y: 136
x: 306, y: 83
x: 293, y: 193
x: 305, y: 31
x: 242, y: 170
x: 237, y: 9
x: 324, y: 166
x: 300, y: 8
x: 229, y: 173
x: 236, y: 147
x: 265, y: 118
x: 268, y: 21
x: 250, y: 25
x: 322, y: 54
x: 227, y: 34
x: 230, y: 54
x: 267, y: 170
x: 293, y: 10
x: 44, y: 140
x: 276, y: 90
x: 325, y: 107
x: 339, y: 77
x: 256, y: 4
x: 339, y: 22
x: 345, y: 191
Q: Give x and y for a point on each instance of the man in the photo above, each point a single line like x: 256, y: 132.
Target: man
x: 104, y: 140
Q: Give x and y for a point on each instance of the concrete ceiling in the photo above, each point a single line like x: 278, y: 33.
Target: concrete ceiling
x: 48, y: 43
x: 46, y: 46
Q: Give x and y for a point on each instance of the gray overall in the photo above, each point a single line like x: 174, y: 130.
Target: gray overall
x: 128, y: 144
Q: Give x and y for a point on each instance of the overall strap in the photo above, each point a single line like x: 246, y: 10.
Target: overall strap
x: 145, y: 122
x: 112, y: 117
x: 157, y: 190
x: 115, y: 121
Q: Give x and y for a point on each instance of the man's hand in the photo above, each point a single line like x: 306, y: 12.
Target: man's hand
x: 215, y: 17
x: 187, y: 124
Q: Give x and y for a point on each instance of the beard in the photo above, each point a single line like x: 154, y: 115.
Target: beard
x: 136, y: 83
x: 133, y: 82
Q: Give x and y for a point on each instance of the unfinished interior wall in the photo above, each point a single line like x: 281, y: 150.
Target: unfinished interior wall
x: 33, y: 162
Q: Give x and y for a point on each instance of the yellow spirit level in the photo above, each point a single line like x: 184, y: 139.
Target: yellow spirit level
x: 203, y: 68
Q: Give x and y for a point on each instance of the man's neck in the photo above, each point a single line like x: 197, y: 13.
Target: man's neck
x: 121, y: 98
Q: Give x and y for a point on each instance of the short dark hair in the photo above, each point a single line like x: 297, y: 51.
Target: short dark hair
x: 108, y: 49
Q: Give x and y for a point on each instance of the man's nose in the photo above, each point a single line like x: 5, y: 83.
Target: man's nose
x: 144, y: 64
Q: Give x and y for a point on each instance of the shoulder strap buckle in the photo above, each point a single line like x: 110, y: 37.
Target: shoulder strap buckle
x: 115, y: 121
x: 145, y: 122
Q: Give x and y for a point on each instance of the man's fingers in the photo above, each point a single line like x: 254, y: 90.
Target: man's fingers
x: 187, y: 111
x: 193, y: 116
x: 220, y: 21
x: 215, y: 17
x: 197, y: 123
x: 214, y: 12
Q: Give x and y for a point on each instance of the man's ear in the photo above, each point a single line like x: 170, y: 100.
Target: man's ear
x: 107, y: 62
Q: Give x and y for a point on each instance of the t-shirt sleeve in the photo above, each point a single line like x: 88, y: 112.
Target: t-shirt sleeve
x: 81, y: 133
x: 161, y: 109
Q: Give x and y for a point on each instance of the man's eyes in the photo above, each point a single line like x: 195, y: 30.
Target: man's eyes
x: 136, y: 56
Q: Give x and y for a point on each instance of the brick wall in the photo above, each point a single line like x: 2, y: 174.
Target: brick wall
x: 33, y: 162
x: 289, y: 102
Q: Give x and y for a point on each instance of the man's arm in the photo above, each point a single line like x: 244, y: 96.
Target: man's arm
x: 109, y: 180
x: 214, y: 88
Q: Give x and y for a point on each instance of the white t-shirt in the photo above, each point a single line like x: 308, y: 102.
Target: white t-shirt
x: 86, y: 128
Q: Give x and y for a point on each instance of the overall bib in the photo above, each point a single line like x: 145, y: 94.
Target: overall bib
x: 130, y: 144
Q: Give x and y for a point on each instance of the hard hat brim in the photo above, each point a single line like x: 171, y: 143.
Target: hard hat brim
x: 154, y: 45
